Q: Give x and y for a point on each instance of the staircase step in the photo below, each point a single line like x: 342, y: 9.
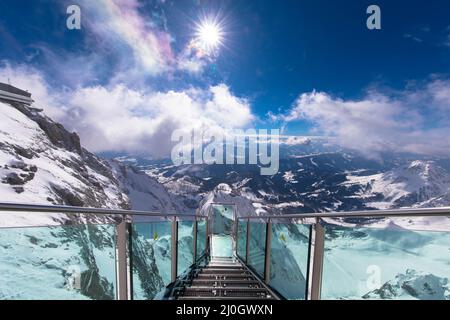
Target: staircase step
x: 224, y: 271
x: 223, y: 298
x: 225, y: 276
x: 217, y: 259
x: 228, y: 292
x: 200, y: 288
x: 224, y: 266
x: 226, y: 283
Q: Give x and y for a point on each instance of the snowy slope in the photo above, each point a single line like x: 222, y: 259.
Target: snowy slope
x: 146, y: 193
x: 224, y: 194
x: 359, y: 262
x: 315, y: 182
x: 413, y: 285
x: 33, y: 169
x: 42, y: 163
x: 416, y: 184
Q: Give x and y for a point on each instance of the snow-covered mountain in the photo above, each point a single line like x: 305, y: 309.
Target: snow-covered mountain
x: 42, y: 163
x: 307, y: 183
x: 414, y: 184
x: 385, y: 263
x: 413, y: 285
x: 331, y: 181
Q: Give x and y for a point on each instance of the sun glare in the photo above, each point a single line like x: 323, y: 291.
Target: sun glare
x: 209, y: 35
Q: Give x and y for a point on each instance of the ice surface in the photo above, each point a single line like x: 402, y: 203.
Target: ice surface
x: 57, y: 263
x: 356, y: 258
x: 221, y: 246
x: 289, y: 259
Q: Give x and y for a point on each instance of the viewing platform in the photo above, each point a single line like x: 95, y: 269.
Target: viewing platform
x: 10, y: 93
x: 149, y: 255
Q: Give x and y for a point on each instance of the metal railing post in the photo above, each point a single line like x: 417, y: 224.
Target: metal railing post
x: 174, y: 263
x: 247, y: 242
x: 123, y: 232
x: 195, y: 241
x: 267, y: 252
x: 207, y: 246
x: 317, y: 263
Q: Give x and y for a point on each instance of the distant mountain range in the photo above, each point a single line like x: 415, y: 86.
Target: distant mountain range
x: 41, y: 162
x: 318, y: 182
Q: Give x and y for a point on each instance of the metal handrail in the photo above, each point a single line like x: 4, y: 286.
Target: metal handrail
x: 414, y: 212
x: 20, y: 207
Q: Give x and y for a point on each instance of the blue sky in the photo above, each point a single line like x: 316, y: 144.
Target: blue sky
x: 303, y: 64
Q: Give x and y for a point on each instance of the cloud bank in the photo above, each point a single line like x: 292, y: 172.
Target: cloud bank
x: 117, y: 118
x: 415, y: 120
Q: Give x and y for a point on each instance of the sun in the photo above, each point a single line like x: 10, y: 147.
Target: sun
x: 209, y: 35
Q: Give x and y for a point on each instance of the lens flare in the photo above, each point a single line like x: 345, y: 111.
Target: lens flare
x: 209, y: 36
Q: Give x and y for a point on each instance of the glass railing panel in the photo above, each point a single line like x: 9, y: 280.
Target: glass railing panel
x: 386, y: 263
x: 222, y: 219
x: 257, y: 244
x: 242, y: 239
x: 221, y: 246
x: 58, y: 263
x: 201, y: 238
x: 185, y: 246
x: 151, y: 259
x: 289, y: 259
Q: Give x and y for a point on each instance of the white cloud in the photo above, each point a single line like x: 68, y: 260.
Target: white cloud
x: 447, y: 43
x: 120, y: 22
x: 412, y: 37
x: 122, y: 41
x: 227, y: 109
x: 118, y: 118
x: 439, y: 93
x: 115, y: 23
x: 415, y: 120
x: 191, y: 65
x: 31, y: 80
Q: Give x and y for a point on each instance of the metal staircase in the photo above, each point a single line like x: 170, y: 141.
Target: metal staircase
x: 224, y: 278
